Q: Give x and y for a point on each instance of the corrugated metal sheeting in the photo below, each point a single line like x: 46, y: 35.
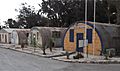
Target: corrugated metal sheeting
x: 107, y: 36
x: 44, y: 35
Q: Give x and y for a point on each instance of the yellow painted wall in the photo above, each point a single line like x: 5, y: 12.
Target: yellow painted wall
x: 71, y: 46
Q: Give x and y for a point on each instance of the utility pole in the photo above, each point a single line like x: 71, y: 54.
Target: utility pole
x: 94, y: 28
x: 86, y: 1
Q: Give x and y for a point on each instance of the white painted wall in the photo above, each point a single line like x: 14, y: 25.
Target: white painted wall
x: 14, y: 38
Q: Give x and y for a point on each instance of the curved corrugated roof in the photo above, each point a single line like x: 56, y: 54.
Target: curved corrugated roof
x: 9, y: 30
x: 23, y: 35
x: 108, y: 33
x: 46, y: 33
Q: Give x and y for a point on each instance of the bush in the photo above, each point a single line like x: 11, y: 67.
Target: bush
x: 109, y: 53
x: 79, y: 55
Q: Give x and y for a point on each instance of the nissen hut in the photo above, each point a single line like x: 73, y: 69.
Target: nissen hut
x: 43, y: 36
x: 5, y: 35
x: 83, y: 37
x: 20, y: 36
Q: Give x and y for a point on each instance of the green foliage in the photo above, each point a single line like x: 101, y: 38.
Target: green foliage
x: 104, y: 12
x: 66, y: 12
x: 11, y: 23
x: 63, y: 13
x: 28, y: 17
x: 108, y: 53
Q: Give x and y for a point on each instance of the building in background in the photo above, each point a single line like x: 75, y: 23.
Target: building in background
x: 43, y: 36
x: 20, y: 36
x: 5, y: 35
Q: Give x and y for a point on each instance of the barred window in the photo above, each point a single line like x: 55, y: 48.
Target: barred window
x: 56, y: 34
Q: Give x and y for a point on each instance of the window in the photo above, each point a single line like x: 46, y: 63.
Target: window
x: 56, y: 34
x: 27, y: 34
x: 71, y: 35
x: 89, y: 35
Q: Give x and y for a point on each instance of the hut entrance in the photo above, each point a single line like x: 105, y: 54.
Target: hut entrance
x: 34, y: 40
x: 56, y: 38
x: 80, y: 43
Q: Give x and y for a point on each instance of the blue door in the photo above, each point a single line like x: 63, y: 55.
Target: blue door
x: 79, y: 42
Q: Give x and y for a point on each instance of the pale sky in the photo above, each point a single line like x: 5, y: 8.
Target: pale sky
x: 7, y: 8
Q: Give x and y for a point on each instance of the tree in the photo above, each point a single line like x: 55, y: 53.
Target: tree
x: 117, y: 7
x: 66, y: 12
x: 29, y: 17
x: 101, y: 11
x: 63, y: 12
x: 105, y: 12
x: 10, y: 23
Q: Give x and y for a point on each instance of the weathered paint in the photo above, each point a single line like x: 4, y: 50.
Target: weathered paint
x: 45, y: 35
x: 20, y: 36
x: 14, y: 38
x: 79, y: 42
x: 80, y: 28
x: 5, y: 37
